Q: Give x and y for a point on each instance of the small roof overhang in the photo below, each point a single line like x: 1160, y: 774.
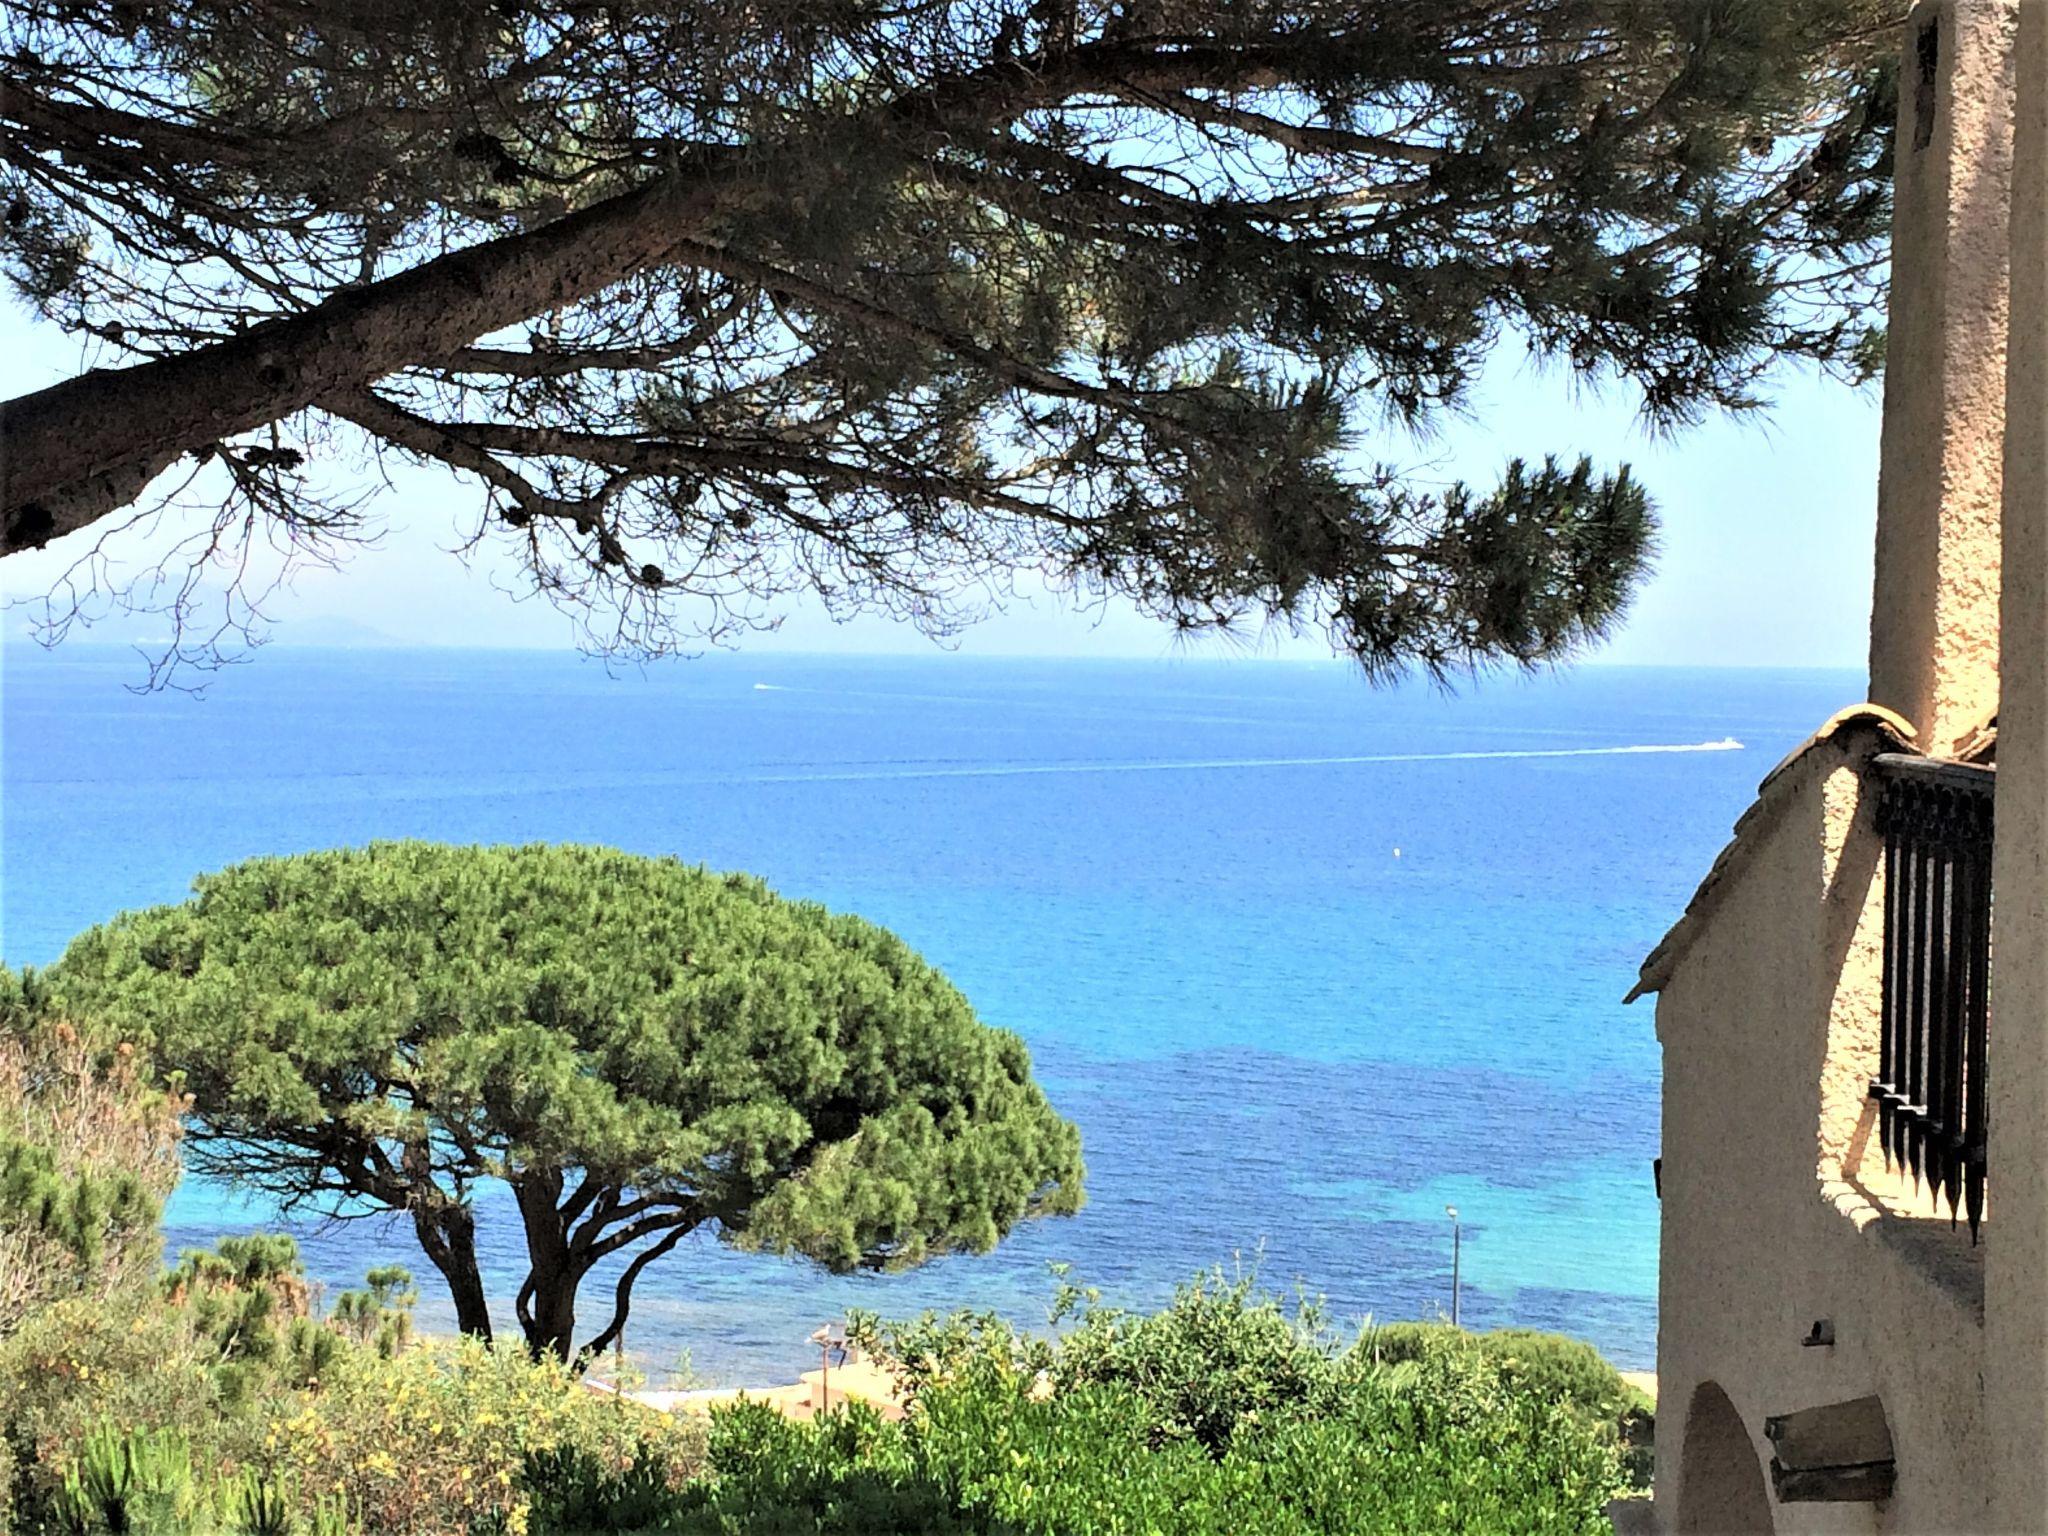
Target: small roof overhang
x: 1892, y: 733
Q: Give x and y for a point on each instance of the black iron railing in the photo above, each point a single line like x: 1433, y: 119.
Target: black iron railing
x: 1935, y: 818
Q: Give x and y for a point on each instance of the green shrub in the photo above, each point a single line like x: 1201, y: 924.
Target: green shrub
x: 121, y: 1482
x: 145, y: 1482
x: 131, y: 1363
x: 428, y: 1441
x: 380, y: 1315
x: 263, y: 1506
x: 88, y: 1150
x: 847, y: 1472
x: 248, y: 1301
x: 1546, y: 1367
x: 190, y: 1407
x: 569, y: 1489
x: 1444, y: 1450
x: 1225, y: 1414
x: 1220, y: 1355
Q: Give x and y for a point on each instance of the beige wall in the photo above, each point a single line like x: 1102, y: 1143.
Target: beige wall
x: 1767, y: 1053
x: 1936, y: 596
x: 2016, y: 1370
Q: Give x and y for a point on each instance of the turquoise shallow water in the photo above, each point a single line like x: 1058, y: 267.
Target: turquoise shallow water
x: 1307, y: 962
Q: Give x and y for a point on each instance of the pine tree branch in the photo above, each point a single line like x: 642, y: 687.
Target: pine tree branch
x: 76, y: 451
x: 590, y: 1249
x: 378, y: 416
x: 622, y: 1294
x: 650, y: 455
x: 1303, y: 138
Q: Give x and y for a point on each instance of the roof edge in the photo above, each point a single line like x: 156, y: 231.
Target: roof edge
x: 1887, y: 724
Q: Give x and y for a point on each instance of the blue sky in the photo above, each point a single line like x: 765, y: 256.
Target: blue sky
x: 1767, y: 526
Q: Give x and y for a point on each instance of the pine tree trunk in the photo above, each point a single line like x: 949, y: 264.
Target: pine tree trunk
x: 448, y: 1234
x: 548, y: 1304
x: 552, y: 1326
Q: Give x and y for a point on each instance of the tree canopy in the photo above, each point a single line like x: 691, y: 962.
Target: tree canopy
x: 639, y: 1048
x: 717, y: 303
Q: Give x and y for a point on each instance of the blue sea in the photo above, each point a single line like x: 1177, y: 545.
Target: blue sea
x: 1307, y: 962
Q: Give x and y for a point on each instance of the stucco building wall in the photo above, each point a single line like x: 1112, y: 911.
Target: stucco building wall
x: 2016, y: 1326
x: 1774, y: 1215
x: 1778, y: 1211
x: 1935, y: 624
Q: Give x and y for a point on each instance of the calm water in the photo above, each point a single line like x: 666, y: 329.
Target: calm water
x: 1306, y: 962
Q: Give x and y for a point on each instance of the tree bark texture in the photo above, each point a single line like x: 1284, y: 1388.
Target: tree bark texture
x: 448, y: 1234
x: 74, y: 452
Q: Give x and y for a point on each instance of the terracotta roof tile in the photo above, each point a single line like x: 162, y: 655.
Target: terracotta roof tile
x: 1770, y: 798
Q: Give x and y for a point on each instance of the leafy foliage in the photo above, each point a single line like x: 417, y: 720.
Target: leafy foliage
x: 639, y: 1048
x: 1221, y: 1414
x: 123, y: 1483
x: 1547, y: 1367
x: 380, y: 1315
x: 87, y: 1154
x: 248, y: 1300
x: 133, y: 1411
x: 889, y: 303
x: 1222, y: 1356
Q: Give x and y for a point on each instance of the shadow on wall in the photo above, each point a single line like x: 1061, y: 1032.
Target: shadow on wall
x: 1907, y: 1218
x: 1721, y: 1490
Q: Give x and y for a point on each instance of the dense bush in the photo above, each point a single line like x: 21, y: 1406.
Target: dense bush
x: 440, y: 1438
x: 87, y: 1153
x: 1220, y: 1416
x: 88, y: 1150
x: 219, y: 1396
x: 213, y: 1398
x: 220, y: 1402
x: 1547, y: 1367
x: 1220, y: 1357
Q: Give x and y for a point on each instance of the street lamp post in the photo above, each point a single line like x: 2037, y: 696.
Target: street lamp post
x: 828, y: 1338
x: 1456, y: 1242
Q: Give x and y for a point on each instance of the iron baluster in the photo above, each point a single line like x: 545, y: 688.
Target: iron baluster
x: 1936, y: 820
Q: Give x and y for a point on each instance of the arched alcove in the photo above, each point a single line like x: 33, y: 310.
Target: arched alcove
x: 1721, y: 1488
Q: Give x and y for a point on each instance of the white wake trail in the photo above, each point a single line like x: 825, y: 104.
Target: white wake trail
x: 1207, y: 764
